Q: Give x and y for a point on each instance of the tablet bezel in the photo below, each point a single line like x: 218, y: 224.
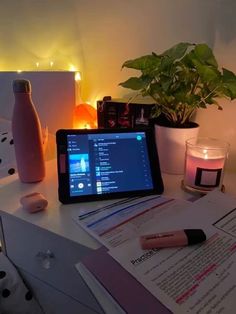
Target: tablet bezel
x: 63, y: 166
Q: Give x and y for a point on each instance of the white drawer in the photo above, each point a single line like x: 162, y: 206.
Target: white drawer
x: 26, y: 245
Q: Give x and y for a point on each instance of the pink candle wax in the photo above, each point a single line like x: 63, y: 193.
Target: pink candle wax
x: 201, y: 171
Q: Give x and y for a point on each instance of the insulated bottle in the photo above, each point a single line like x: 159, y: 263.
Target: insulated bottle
x: 27, y: 134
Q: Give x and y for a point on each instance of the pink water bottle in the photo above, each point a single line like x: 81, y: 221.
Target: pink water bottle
x: 27, y: 135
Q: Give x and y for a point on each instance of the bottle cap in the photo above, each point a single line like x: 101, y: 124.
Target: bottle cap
x: 21, y: 86
x: 195, y: 236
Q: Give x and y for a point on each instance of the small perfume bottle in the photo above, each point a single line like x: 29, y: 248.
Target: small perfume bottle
x: 27, y: 134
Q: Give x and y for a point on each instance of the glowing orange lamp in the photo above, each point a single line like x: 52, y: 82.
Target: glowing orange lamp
x: 85, y: 117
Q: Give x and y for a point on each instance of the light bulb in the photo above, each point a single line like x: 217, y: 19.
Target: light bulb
x: 77, y: 76
x: 72, y: 68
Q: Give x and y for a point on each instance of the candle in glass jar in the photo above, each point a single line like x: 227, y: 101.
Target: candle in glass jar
x: 204, y: 164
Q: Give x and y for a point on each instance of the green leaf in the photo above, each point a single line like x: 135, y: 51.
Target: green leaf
x: 166, y: 83
x: 180, y: 96
x: 202, y: 104
x: 231, y: 87
x: 207, y: 73
x: 144, y: 63
x: 135, y: 83
x: 228, y: 75
x: 209, y: 100
x: 155, y: 88
x: 177, y: 51
x: 193, y: 99
x: 156, y: 111
x: 205, y: 55
x: 165, y: 65
x: 229, y: 83
x: 225, y: 92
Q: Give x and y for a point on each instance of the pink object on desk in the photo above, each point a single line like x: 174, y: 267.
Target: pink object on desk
x: 34, y: 202
x: 172, y: 239
x: 209, y: 177
x: 131, y: 295
x: 204, y: 163
x: 27, y: 135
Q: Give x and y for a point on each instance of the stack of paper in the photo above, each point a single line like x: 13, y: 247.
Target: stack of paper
x: 193, y: 279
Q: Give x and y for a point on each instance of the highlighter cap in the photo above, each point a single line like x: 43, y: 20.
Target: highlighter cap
x: 195, y: 236
x: 21, y: 86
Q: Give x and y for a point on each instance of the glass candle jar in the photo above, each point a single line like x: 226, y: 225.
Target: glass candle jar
x: 204, y: 164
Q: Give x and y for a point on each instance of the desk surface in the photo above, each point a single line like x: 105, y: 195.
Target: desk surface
x: 58, y: 218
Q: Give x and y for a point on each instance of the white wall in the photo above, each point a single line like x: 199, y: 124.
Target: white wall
x: 99, y: 35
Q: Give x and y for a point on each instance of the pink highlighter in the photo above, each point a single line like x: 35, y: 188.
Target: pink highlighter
x: 172, y: 239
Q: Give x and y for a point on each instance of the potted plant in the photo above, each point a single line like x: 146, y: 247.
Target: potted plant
x: 180, y: 80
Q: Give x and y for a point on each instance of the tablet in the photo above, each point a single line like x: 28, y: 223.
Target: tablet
x: 107, y: 163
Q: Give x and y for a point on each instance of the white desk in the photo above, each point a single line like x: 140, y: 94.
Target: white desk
x: 25, y: 236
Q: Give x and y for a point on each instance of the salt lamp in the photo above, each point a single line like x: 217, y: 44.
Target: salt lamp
x: 85, y: 117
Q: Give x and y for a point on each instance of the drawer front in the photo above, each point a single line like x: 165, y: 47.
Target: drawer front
x: 52, y: 301
x: 48, y: 257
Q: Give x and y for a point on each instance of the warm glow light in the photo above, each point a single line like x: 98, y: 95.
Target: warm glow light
x: 43, y: 65
x: 85, y: 117
x: 19, y: 71
x: 95, y: 99
x: 86, y: 126
x: 205, y: 152
x: 72, y: 68
x: 77, y: 76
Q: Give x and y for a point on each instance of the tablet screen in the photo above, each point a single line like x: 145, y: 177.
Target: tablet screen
x: 102, y: 164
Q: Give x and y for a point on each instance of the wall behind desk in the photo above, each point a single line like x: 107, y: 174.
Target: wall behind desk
x: 98, y: 36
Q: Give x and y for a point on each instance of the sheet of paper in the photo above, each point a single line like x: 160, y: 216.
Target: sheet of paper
x: 115, y: 225
x: 198, y: 279
x: 108, y: 304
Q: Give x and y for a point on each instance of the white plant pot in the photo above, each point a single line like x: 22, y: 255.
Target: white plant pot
x: 171, y: 146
